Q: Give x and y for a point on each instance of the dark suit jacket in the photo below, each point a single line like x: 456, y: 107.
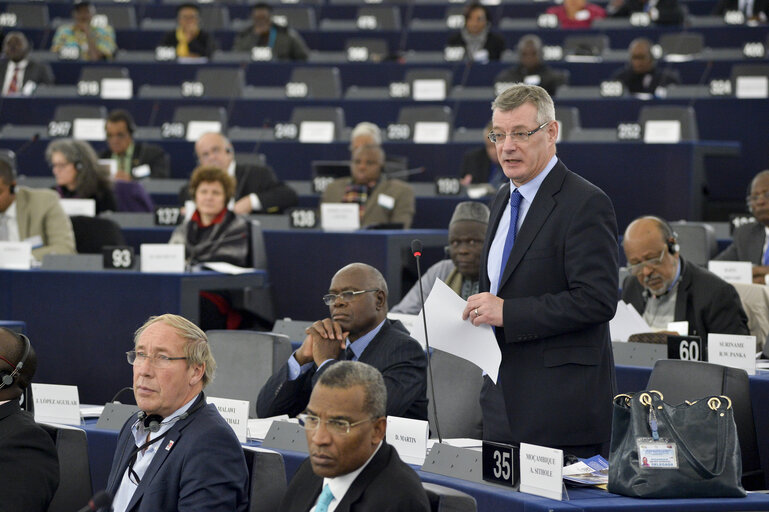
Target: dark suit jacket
x: 38, y: 72
x: 706, y: 301
x: 495, y: 44
x: 637, y: 82
x: 550, y: 79
x: 476, y: 163
x: 670, y: 12
x: 386, y: 484
x: 747, y: 244
x: 147, y: 154
x: 204, y: 469
x: 560, y: 292
x: 32, y: 463
x: 392, y: 351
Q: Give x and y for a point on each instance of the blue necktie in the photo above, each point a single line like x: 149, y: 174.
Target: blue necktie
x: 324, y: 499
x: 515, y: 203
x: 766, y: 256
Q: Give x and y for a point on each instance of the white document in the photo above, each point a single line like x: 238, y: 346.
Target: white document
x: 197, y: 128
x: 541, y: 471
x: 117, y: 88
x: 109, y: 164
x: 162, y: 257
x: 733, y: 350
x: 258, y: 427
x: 15, y: 255
x: 732, y: 271
x: 339, y: 216
x: 431, y: 132
x: 89, y: 129
x: 55, y: 403
x: 429, y: 90
x: 91, y: 411
x: 227, y: 268
x: 141, y: 171
x: 84, y: 207
x: 662, y: 132
x: 409, y: 438
x: 751, y: 87
x: 626, y: 322
x: 235, y: 413
x: 682, y: 327
x: 448, y: 332
x: 316, y: 131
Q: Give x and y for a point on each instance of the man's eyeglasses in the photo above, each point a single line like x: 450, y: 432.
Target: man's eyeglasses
x: 157, y: 360
x: 753, y: 198
x: 335, y: 426
x: 499, y: 137
x: 470, y: 242
x: 637, y: 268
x: 347, y: 296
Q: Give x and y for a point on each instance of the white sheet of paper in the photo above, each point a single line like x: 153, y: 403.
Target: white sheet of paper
x: 162, y: 257
x: 197, y: 128
x: 235, y: 413
x: 733, y: 350
x: 448, y: 332
x: 409, y: 438
x: 430, y: 132
x: 258, y: 427
x: 117, y: 88
x: 316, y: 132
x: 339, y: 216
x: 662, y: 132
x: 91, y: 411
x: 682, y: 327
x: 15, y: 255
x: 626, y: 321
x: 751, y: 87
x: 227, y: 268
x: 56, y: 403
x: 425, y: 89
x: 89, y: 129
x: 84, y: 207
x: 732, y: 271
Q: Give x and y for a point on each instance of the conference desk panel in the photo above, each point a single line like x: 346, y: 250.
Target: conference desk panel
x: 82, y: 323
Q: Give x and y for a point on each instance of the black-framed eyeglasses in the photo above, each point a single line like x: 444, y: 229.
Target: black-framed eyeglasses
x: 334, y: 425
x: 347, y: 296
x: 752, y: 198
x: 499, y: 137
x: 157, y: 360
x: 637, y: 268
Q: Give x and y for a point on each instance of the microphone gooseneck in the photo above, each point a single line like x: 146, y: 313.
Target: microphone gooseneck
x: 101, y: 499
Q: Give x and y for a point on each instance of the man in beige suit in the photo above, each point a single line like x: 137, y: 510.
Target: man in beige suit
x: 33, y: 215
x: 382, y: 200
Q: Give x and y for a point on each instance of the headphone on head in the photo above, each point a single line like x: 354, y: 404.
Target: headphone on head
x: 7, y: 379
x: 668, y: 234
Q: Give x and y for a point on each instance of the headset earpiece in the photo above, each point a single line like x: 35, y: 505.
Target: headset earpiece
x: 12, y: 188
x: 8, y: 379
x: 673, y: 246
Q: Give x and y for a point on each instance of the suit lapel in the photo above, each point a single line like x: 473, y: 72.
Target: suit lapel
x: 757, y: 243
x: 157, y: 461
x: 128, y: 447
x: 362, y: 481
x: 682, y: 295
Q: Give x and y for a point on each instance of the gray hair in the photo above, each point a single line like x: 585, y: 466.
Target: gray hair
x: 366, y: 128
x: 7, y: 166
x: 470, y: 210
x: 347, y: 374
x: 91, y: 177
x: 519, y: 94
x: 196, y: 350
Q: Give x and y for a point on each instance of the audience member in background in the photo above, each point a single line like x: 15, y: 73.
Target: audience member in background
x: 93, y: 42
x: 381, y: 200
x: 531, y: 68
x: 23, y: 443
x: 177, y: 453
x: 641, y: 75
x: 365, y: 134
x: 751, y: 241
x: 32, y: 215
x: 661, y: 12
x: 135, y: 160
x: 257, y: 189
x: 576, y: 13
x: 285, y: 42
x: 467, y: 231
x: 214, y: 233
x: 665, y: 288
x: 754, y: 10
x: 357, y: 329
x: 188, y: 38
x: 480, y: 165
x: 19, y: 73
x: 351, y: 466
x: 476, y: 37
x: 79, y: 175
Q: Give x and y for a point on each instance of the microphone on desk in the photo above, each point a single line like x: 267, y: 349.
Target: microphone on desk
x: 404, y: 173
x: 416, y: 249
x: 121, y: 392
x: 101, y: 499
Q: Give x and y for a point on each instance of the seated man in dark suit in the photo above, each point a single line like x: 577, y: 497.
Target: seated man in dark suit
x: 358, y: 330
x: 351, y: 467
x: 481, y: 165
x: 285, y: 42
x: 257, y: 189
x: 665, y: 288
x: 641, y: 75
x: 19, y: 73
x: 135, y: 160
x: 749, y: 242
x: 26, y: 448
x: 177, y: 453
x: 531, y: 68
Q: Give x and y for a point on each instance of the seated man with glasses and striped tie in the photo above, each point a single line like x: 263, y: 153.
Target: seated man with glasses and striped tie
x: 358, y: 330
x: 351, y: 467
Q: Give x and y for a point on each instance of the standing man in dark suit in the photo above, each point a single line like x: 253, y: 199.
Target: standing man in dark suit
x: 549, y: 284
x: 27, y: 449
x: 751, y: 241
x: 257, y: 188
x: 351, y: 467
x: 357, y: 330
x: 135, y: 160
x: 19, y: 73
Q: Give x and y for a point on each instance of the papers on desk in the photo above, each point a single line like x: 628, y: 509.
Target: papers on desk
x: 227, y: 268
x: 592, y: 471
x: 258, y: 427
x: 448, y: 332
x: 626, y: 322
x: 91, y: 411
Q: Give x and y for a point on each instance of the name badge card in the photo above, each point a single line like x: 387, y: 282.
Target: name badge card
x: 84, y: 207
x: 141, y: 171
x: 733, y: 350
x: 162, y: 257
x: 429, y: 90
x: 732, y: 271
x: 751, y: 87
x: 681, y: 327
x: 316, y: 131
x: 197, y: 128
x: 235, y: 412
x: 117, y: 88
x: 339, y: 216
x: 55, y: 403
x: 109, y: 164
x: 662, y: 132
x: 542, y: 471
x: 409, y: 438
x: 385, y: 201
x: 431, y: 133
x: 89, y: 129
x: 15, y: 255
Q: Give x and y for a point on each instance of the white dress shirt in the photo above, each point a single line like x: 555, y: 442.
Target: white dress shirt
x: 10, y: 70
